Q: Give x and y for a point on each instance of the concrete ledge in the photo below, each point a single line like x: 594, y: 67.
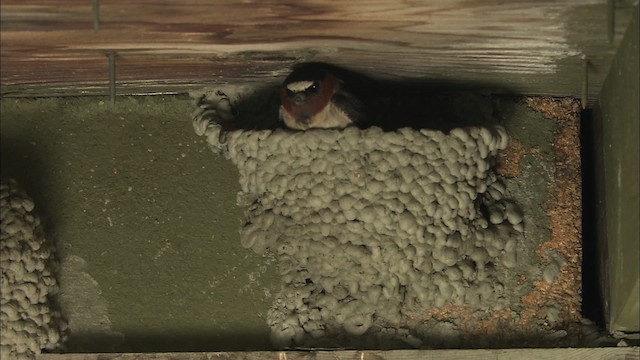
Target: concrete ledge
x: 626, y: 353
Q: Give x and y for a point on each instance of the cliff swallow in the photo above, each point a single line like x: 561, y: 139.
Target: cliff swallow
x: 313, y: 96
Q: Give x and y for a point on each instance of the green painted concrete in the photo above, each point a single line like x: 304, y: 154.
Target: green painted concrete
x: 619, y: 109
x: 145, y: 218
x: 145, y: 215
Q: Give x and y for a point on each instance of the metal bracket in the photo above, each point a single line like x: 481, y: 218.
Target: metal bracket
x: 96, y: 15
x: 112, y: 77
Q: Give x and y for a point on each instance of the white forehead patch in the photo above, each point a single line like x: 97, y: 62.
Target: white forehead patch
x: 299, y: 86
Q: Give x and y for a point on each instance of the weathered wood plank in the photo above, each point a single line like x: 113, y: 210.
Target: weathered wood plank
x: 522, y: 354
x: 525, y: 46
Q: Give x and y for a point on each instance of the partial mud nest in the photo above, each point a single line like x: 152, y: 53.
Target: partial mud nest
x: 29, y: 322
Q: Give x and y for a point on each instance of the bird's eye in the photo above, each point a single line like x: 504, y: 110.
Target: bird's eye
x: 314, y: 87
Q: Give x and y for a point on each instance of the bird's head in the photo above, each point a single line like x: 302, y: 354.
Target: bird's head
x: 305, y: 93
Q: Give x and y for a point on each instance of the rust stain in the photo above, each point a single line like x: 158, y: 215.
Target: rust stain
x: 521, y: 321
x: 564, y: 209
x: 508, y: 160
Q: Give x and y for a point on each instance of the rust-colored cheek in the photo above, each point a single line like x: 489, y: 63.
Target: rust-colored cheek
x: 304, y: 113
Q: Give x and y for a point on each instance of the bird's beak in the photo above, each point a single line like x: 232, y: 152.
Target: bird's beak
x: 299, y: 98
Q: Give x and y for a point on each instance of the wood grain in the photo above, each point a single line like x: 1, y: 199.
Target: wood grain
x: 527, y: 46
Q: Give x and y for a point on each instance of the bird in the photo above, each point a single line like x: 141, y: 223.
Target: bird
x: 315, y: 95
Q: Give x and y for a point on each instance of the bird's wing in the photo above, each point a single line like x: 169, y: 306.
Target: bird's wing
x: 351, y: 105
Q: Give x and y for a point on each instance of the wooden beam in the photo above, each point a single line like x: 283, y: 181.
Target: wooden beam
x: 531, y: 47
